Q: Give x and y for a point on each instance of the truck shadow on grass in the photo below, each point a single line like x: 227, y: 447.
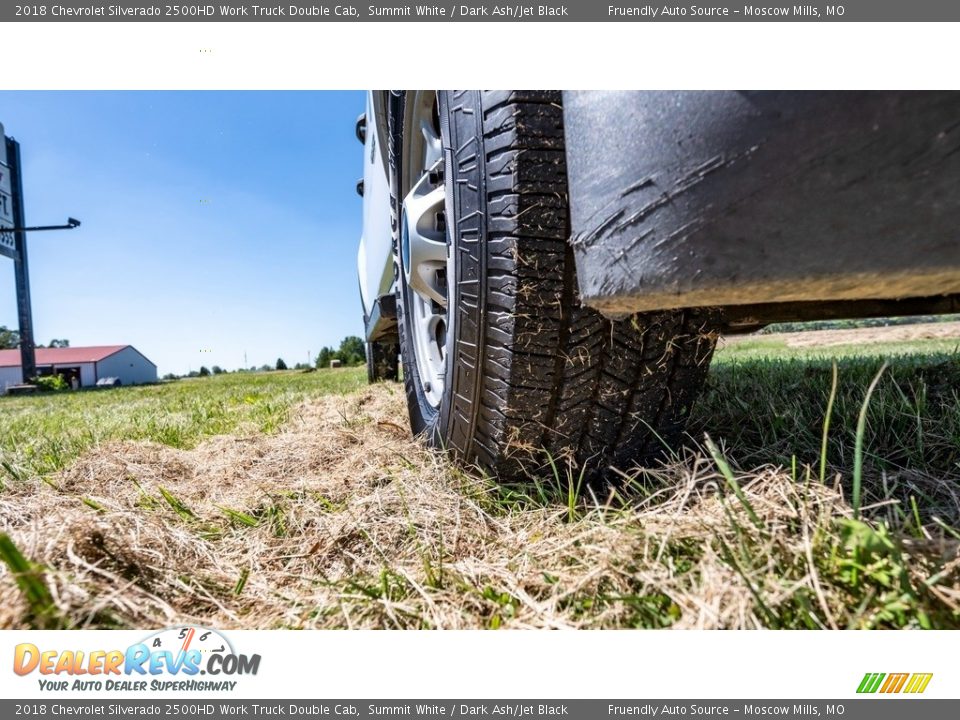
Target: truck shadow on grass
x: 772, y: 411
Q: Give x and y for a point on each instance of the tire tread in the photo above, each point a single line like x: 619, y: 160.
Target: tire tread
x: 537, y: 375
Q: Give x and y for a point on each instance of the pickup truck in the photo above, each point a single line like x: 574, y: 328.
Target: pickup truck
x: 553, y: 269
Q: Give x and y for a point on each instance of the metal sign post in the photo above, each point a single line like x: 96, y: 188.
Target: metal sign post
x: 13, y: 244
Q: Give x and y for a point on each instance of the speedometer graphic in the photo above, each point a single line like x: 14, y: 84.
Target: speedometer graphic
x: 189, y: 637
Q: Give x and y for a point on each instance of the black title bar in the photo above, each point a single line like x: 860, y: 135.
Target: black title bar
x: 480, y: 11
x: 211, y: 707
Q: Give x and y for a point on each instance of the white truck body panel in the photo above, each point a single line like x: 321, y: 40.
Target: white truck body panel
x: 375, y: 257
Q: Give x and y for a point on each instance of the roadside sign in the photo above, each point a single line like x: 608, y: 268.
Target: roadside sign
x: 7, y: 241
x: 14, y: 245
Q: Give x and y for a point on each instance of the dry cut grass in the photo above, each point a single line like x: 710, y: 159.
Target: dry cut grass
x: 341, y: 520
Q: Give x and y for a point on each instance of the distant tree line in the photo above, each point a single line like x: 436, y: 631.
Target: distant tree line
x: 204, y: 371
x: 856, y: 323
x: 352, y: 352
x: 10, y: 340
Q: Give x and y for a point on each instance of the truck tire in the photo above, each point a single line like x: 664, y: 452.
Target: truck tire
x: 383, y: 361
x: 530, y: 379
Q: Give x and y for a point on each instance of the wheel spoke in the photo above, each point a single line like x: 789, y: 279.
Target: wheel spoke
x: 424, y: 241
x: 432, y: 148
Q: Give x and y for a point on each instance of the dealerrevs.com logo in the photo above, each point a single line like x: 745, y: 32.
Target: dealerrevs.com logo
x: 168, y: 660
x: 889, y: 683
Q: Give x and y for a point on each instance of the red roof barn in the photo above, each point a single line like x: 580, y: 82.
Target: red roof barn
x: 83, y: 366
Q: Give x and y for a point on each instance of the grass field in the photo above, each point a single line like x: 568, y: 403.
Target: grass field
x: 41, y: 435
x: 300, y: 500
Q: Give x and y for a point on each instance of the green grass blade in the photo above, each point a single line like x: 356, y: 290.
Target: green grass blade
x: 91, y: 503
x: 727, y: 473
x: 826, y: 424
x: 727, y: 554
x: 949, y: 530
x: 916, y: 515
x: 29, y: 579
x: 241, y: 518
x: 858, y: 447
x: 178, y: 506
x: 242, y: 581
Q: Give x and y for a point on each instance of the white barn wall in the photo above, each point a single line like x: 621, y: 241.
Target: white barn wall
x: 88, y: 374
x: 9, y: 376
x: 13, y: 375
x: 130, y: 366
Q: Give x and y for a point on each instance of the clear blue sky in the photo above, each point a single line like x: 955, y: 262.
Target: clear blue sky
x: 225, y: 222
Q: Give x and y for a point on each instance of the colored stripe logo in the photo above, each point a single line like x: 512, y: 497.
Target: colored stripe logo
x: 913, y: 683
